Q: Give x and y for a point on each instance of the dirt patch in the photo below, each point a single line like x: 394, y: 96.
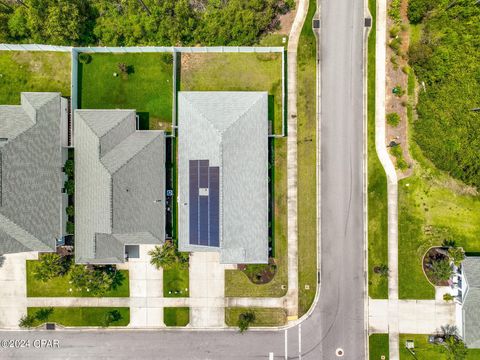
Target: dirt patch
x: 397, y: 78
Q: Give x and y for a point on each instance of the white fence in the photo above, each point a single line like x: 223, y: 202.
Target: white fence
x: 150, y: 49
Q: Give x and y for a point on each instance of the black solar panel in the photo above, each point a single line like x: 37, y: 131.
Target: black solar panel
x: 204, y: 203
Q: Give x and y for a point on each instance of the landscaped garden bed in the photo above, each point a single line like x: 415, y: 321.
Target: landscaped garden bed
x: 176, y: 316
x: 63, y: 286
x: 139, y: 81
x: 33, y: 71
x: 260, y: 273
x: 261, y: 316
x: 80, y: 316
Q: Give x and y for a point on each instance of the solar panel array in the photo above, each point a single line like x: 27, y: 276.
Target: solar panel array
x: 204, y: 203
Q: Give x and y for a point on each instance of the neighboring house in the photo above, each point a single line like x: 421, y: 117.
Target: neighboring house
x: 468, y: 305
x: 223, y: 174
x: 119, y: 185
x: 32, y: 154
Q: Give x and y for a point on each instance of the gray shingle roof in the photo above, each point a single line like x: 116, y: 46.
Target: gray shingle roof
x: 230, y: 129
x: 119, y: 185
x: 471, y: 303
x: 31, y: 176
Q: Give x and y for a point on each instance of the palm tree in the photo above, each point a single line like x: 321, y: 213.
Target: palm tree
x: 441, y: 269
x: 50, y: 265
x: 163, y: 256
x: 245, y: 319
x: 457, y: 255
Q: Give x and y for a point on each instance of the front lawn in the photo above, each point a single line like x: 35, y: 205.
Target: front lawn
x: 176, y: 316
x: 237, y: 283
x: 236, y: 72
x: 147, y: 88
x: 377, y: 185
x: 307, y: 164
x: 83, y: 316
x: 426, y: 351
x: 263, y: 316
x: 176, y: 282
x: 60, y: 286
x: 32, y: 71
x: 378, y: 346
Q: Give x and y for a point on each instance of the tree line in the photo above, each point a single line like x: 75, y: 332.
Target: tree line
x: 446, y: 62
x: 139, y: 22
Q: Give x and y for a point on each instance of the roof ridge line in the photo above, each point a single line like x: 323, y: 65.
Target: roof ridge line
x: 21, y: 229
x: 204, y: 117
x: 243, y: 114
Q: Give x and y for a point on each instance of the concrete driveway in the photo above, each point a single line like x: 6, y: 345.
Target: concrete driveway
x: 13, y: 288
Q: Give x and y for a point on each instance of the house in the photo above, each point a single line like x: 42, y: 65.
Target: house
x: 32, y: 154
x: 223, y: 174
x: 119, y: 185
x: 468, y: 304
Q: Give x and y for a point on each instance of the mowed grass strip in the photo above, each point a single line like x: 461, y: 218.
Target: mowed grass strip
x: 176, y: 316
x: 176, y: 282
x: 306, y: 160
x: 378, y: 346
x: 377, y: 184
x: 427, y: 351
x: 82, y: 316
x: 32, y: 71
x: 236, y: 72
x: 263, y: 316
x: 148, y: 89
x: 60, y: 286
x: 237, y: 283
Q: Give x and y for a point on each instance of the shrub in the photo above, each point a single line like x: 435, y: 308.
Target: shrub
x: 95, y: 281
x: 26, y: 321
x: 394, y: 31
x: 69, y: 168
x: 457, y: 255
x: 417, y: 9
x: 395, y: 44
x: 441, y: 269
x: 70, y: 228
x: 448, y: 297
x: 69, y: 187
x: 84, y: 58
x: 393, y: 119
x: 168, y: 256
x: 43, y: 314
x: 398, y: 91
x: 394, y: 61
x: 50, y: 265
x: 394, y: 11
x: 112, y: 316
x: 70, y: 210
x: 245, y: 320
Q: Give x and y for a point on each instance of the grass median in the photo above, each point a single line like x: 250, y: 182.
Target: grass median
x: 263, y: 316
x: 82, y: 316
x: 176, y: 316
x: 378, y: 346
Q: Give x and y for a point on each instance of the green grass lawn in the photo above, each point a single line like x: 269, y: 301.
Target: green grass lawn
x: 176, y: 283
x: 306, y: 160
x: 377, y: 185
x: 236, y: 72
x: 59, y: 286
x: 176, y: 316
x: 378, y: 346
x: 236, y: 282
x: 32, y: 71
x: 263, y: 316
x: 426, y: 351
x: 82, y: 316
x: 148, y: 89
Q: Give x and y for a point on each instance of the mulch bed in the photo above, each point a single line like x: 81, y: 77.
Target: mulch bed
x: 435, y: 254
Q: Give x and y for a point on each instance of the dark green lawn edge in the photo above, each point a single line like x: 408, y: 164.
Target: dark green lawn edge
x: 307, y: 163
x: 82, y: 316
x: 377, y: 183
x: 176, y: 316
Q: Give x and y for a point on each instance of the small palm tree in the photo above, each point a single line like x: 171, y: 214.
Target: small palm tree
x: 441, y: 269
x: 457, y: 255
x: 163, y: 256
x: 245, y: 320
x: 26, y: 321
x: 50, y: 265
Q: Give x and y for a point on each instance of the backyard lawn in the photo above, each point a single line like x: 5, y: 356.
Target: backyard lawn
x: 32, y: 71
x: 175, y: 282
x: 426, y: 351
x: 82, y: 316
x: 176, y: 316
x: 263, y: 316
x: 378, y: 346
x: 377, y: 186
x: 59, y: 286
x: 236, y: 282
x: 146, y: 86
x: 307, y: 162
x: 236, y: 72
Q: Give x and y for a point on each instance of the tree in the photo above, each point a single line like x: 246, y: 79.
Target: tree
x: 167, y: 257
x: 69, y: 186
x: 43, y: 314
x: 112, y: 316
x: 457, y: 255
x: 245, y: 320
x: 69, y: 166
x: 96, y: 282
x: 454, y: 347
x: 26, y: 321
x: 441, y: 269
x: 50, y: 265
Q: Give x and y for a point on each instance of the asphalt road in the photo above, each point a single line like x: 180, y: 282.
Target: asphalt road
x: 338, y: 319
